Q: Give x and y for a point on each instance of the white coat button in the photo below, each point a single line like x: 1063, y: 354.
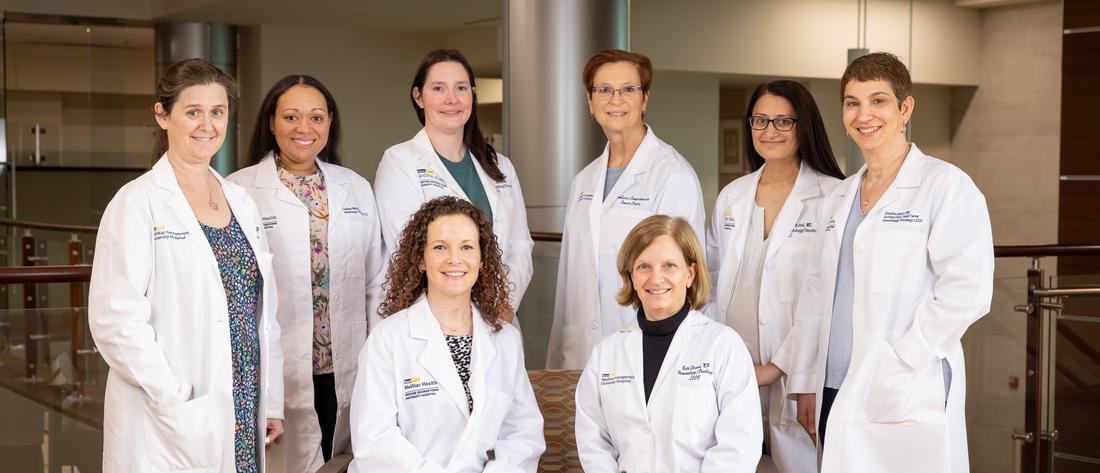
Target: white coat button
x: 856, y: 311
x: 595, y: 325
x: 859, y: 249
x: 336, y: 297
x: 646, y: 429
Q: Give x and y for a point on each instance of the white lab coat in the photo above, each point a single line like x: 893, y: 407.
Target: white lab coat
x: 411, y: 174
x: 158, y: 313
x: 656, y: 181
x: 791, y: 243
x: 409, y: 411
x: 923, y: 273
x: 703, y: 413
x: 355, y: 257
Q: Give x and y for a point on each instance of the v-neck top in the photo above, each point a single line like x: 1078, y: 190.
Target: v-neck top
x: 744, y: 306
x: 465, y: 174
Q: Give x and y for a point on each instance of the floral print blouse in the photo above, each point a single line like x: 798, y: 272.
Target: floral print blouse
x: 312, y: 192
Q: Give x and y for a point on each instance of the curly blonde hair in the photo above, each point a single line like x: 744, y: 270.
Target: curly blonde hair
x: 405, y: 281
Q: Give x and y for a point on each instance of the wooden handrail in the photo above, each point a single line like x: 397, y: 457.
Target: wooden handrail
x: 1035, y: 251
x: 45, y: 274
x: 49, y: 226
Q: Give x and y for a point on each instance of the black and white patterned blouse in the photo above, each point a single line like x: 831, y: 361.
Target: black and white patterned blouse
x: 461, y: 347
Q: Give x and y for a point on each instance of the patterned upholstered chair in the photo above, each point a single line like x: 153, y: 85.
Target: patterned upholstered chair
x: 554, y: 391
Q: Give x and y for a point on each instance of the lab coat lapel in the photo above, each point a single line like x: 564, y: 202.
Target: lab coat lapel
x: 639, y: 164
x: 165, y: 179
x: 488, y: 184
x: 337, y: 192
x: 682, y: 339
x: 267, y: 177
x: 430, y: 157
x: 436, y: 357
x: 634, y: 355
x: 483, y: 353
x: 595, y: 207
x: 805, y: 187
x: 741, y: 208
x: 908, y: 176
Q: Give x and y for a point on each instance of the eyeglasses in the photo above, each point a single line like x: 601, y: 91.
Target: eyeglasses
x: 757, y: 122
x: 627, y: 92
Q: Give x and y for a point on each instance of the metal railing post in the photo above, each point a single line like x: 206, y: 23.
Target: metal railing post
x: 1034, y: 385
x: 76, y: 318
x: 30, y: 314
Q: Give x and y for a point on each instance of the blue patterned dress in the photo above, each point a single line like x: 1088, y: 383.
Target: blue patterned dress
x: 242, y: 281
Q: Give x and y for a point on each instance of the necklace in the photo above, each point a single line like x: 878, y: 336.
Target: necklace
x: 461, y: 329
x: 210, y: 200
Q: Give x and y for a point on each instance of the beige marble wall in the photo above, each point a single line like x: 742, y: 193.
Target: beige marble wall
x: 1005, y: 134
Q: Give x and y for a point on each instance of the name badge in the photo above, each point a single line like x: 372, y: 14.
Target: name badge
x: 610, y: 378
x: 802, y: 227
x: 161, y: 232
x: 269, y: 221
x: 694, y: 372
x: 415, y: 388
x: 902, y: 216
x: 728, y: 222
x: 355, y: 211
x: 429, y: 178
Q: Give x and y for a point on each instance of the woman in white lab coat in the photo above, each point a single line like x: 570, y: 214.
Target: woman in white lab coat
x: 906, y: 266
x: 182, y: 300
x: 637, y: 175
x: 442, y: 385
x: 761, y: 232
x: 323, y: 228
x: 673, y: 391
x: 450, y: 156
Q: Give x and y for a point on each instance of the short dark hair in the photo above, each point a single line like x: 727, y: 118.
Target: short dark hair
x: 184, y: 74
x: 608, y: 56
x: 813, y: 143
x: 263, y: 140
x: 879, y: 66
x: 471, y: 133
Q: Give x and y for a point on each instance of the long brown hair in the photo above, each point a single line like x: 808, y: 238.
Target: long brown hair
x: 472, y: 138
x: 184, y: 74
x: 405, y: 281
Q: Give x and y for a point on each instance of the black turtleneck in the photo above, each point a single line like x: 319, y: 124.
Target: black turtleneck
x: 656, y: 338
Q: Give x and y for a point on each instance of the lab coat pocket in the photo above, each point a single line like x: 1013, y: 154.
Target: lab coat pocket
x: 183, y: 436
x: 901, y: 394
x: 900, y: 260
x: 696, y: 412
x: 497, y: 405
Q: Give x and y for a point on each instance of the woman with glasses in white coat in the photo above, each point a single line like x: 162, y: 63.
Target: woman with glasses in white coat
x: 673, y: 391
x: 450, y: 156
x: 906, y: 266
x: 322, y: 223
x: 762, y: 231
x: 182, y: 300
x: 637, y: 175
x: 442, y: 386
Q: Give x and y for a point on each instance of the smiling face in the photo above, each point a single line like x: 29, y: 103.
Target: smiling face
x: 447, y: 97
x: 771, y: 143
x: 661, y: 277
x: 873, y: 116
x: 452, y: 255
x: 301, y: 124
x: 617, y: 113
x: 197, y: 123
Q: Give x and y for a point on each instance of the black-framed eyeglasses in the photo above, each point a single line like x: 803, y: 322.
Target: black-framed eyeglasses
x: 757, y: 122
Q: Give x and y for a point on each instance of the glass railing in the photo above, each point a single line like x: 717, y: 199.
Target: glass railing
x: 1074, y: 391
x: 995, y: 348
x: 51, y: 392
